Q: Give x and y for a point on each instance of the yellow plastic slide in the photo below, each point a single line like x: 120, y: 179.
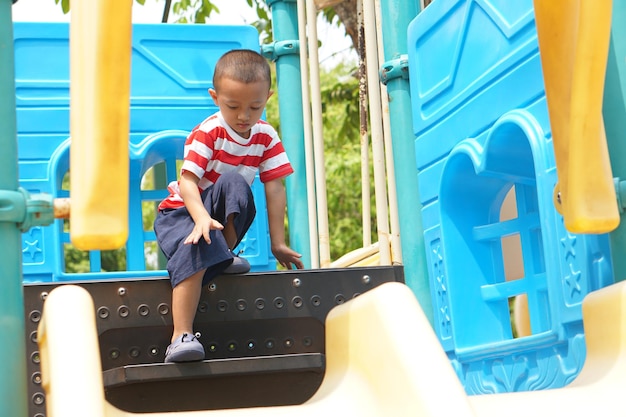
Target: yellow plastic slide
x: 383, y: 359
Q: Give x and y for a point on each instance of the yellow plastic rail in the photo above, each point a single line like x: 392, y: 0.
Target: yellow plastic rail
x: 574, y: 42
x: 100, y: 50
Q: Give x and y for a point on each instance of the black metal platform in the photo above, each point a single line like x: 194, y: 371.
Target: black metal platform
x: 263, y: 335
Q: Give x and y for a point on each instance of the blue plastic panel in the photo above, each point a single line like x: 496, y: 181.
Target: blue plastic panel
x: 172, y: 69
x: 483, y: 140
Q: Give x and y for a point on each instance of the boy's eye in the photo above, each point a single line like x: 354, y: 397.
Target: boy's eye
x: 232, y: 107
x: 255, y: 108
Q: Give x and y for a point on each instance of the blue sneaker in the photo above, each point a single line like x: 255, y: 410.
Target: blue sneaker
x: 185, y: 348
x: 239, y: 266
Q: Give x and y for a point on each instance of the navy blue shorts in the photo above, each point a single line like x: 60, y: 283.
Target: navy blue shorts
x: 231, y: 194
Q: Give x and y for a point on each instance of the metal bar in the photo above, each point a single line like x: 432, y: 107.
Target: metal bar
x: 308, y: 137
x: 396, y: 16
x: 378, y: 152
x: 284, y: 25
x: 614, y: 112
x: 13, y: 401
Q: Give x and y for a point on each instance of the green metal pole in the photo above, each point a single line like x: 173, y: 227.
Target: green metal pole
x: 614, y: 111
x: 396, y: 16
x: 285, y: 31
x: 13, y: 384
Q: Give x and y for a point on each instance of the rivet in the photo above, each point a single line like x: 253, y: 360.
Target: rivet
x: 241, y: 304
x: 33, y: 336
x: 121, y: 291
x: 123, y: 311
x: 279, y: 302
x: 36, y: 378
x: 134, y: 352
x: 288, y: 343
x: 164, y: 309
x: 316, y: 301
x: 340, y: 299
x: 222, y: 305
x: 366, y: 279
x: 212, y: 287
x: 297, y: 301
x: 143, y: 310
x: 114, y: 354
x: 154, y: 350
x: 43, y: 296
x: 35, y: 316
x: 296, y: 282
x: 203, y: 307
x: 38, y: 398
x: 259, y: 303
x: 103, y: 312
x: 35, y: 358
x: 307, y: 341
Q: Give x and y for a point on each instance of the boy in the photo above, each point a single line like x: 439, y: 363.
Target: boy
x: 211, y: 207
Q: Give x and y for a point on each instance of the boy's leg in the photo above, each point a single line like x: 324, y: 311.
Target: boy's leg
x: 184, y: 345
x: 185, y: 298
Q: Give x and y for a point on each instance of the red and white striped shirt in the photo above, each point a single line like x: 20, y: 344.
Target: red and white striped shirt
x: 213, y: 148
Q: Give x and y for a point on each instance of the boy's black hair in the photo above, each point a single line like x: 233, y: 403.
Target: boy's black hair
x: 244, y: 65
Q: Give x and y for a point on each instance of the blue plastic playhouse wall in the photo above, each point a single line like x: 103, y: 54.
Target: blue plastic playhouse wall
x: 482, y: 131
x: 172, y: 68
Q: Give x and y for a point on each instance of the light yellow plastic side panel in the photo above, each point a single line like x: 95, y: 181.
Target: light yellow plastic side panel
x: 100, y: 50
x: 574, y: 42
x: 383, y: 359
x: 70, y: 357
x: 599, y: 388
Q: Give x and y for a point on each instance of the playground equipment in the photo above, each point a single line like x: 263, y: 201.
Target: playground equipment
x: 483, y: 136
x: 357, y: 379
x: 489, y: 147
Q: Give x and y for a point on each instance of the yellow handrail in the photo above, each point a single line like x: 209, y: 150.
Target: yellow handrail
x: 100, y: 51
x: 574, y: 42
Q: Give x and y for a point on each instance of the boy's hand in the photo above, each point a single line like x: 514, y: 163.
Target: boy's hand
x: 202, y: 229
x: 287, y: 257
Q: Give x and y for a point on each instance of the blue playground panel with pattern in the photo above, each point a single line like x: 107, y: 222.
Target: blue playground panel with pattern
x: 482, y: 140
x: 172, y: 68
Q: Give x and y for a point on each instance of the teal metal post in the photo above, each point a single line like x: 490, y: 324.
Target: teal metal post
x: 396, y: 16
x: 285, y: 30
x: 614, y: 111
x: 13, y: 385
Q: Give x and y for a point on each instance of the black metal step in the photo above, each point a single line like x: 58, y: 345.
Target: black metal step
x: 215, y: 384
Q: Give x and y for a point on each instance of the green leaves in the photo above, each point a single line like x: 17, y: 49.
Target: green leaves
x: 65, y: 5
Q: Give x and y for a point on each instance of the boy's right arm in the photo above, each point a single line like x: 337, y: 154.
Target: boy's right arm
x: 193, y: 202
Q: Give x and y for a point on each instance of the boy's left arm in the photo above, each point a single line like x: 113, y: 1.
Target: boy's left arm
x: 276, y: 204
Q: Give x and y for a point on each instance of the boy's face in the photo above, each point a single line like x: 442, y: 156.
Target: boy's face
x: 241, y: 103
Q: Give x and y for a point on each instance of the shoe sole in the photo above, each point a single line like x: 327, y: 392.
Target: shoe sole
x: 188, y: 355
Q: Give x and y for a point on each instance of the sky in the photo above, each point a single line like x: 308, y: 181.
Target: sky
x: 335, y: 44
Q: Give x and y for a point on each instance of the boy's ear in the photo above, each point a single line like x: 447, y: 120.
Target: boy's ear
x: 270, y: 94
x: 213, y: 94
